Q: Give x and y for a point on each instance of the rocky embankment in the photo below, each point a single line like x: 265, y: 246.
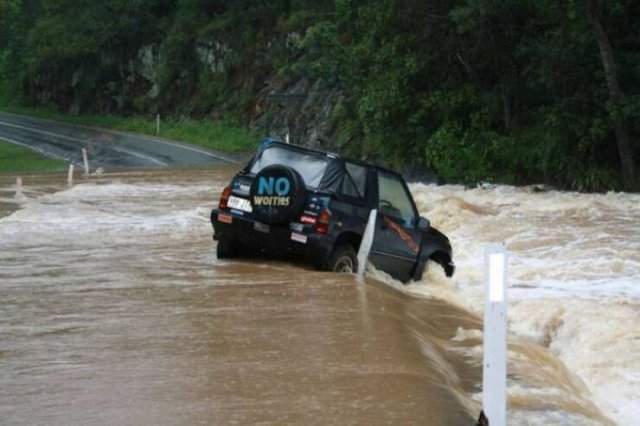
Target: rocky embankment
x: 267, y: 102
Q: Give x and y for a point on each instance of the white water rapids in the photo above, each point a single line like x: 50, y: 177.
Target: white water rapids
x: 574, y: 276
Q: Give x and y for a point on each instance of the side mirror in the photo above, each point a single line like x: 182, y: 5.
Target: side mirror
x: 423, y: 223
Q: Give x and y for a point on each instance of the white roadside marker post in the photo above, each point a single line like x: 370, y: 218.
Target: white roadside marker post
x: 19, y: 195
x: 158, y: 124
x: 367, y: 242
x: 70, y: 175
x: 494, y: 373
x: 85, y: 160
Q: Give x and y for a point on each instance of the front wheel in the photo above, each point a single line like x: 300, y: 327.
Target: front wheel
x: 343, y: 259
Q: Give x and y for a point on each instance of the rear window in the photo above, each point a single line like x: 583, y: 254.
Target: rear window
x: 311, y: 167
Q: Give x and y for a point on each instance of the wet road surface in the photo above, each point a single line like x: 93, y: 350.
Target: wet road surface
x: 107, y: 149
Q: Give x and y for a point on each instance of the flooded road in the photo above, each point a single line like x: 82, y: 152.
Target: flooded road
x: 115, y: 310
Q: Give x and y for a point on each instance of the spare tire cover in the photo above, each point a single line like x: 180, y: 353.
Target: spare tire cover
x: 277, y: 194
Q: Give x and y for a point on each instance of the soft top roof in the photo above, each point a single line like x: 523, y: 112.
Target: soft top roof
x: 272, y: 141
x: 336, y: 168
x: 333, y: 173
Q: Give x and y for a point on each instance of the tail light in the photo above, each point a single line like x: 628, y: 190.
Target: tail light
x: 224, y: 198
x: 322, y: 223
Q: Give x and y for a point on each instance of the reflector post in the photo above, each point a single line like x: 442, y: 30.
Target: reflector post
x: 496, y: 276
x: 494, y: 371
x: 367, y: 242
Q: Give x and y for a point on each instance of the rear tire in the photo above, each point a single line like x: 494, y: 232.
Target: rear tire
x: 343, y: 259
x: 226, y: 249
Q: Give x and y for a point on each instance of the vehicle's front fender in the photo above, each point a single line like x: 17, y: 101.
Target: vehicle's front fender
x: 435, y: 246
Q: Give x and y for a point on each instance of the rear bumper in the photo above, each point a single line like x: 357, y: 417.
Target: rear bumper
x: 276, y: 243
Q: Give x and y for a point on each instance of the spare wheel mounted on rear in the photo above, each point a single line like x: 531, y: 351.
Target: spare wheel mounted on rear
x: 277, y: 195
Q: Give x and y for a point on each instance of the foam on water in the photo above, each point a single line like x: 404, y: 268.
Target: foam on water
x: 574, y: 277
x: 78, y: 232
x: 574, y: 273
x: 112, y: 211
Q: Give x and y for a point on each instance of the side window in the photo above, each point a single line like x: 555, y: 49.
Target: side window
x: 394, y: 200
x: 354, y: 183
x: 359, y: 176
x: 348, y: 188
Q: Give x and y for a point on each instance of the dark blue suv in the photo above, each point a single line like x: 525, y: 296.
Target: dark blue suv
x: 294, y: 202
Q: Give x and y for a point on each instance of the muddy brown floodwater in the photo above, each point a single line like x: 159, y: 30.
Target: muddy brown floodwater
x: 115, y: 310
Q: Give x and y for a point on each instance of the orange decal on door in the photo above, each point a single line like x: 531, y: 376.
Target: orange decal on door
x: 404, y: 235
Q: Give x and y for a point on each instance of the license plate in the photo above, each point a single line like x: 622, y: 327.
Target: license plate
x: 295, y: 226
x: 225, y: 218
x: 299, y: 238
x: 239, y: 204
x: 261, y: 227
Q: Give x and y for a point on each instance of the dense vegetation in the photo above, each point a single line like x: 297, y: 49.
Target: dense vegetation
x: 479, y: 90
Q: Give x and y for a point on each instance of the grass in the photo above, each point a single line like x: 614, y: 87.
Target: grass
x: 14, y: 158
x: 215, y: 135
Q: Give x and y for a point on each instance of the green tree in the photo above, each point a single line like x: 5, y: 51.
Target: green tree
x: 505, y: 90
x: 616, y: 95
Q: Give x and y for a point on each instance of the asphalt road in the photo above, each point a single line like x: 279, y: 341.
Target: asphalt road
x: 106, y: 148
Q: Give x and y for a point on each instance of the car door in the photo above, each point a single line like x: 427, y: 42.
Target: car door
x: 396, y: 240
